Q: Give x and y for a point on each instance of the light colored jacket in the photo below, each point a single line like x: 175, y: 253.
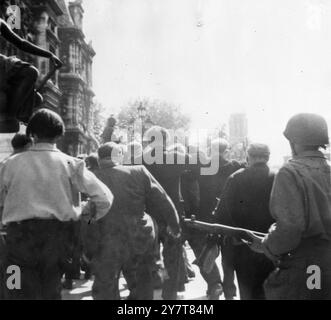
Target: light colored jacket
x: 44, y: 183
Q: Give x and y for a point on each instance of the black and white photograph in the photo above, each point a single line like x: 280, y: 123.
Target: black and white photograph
x: 165, y: 150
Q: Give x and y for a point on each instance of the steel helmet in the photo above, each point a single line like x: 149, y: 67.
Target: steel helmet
x: 307, y: 129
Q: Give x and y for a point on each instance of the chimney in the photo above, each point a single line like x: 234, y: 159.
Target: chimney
x: 77, y: 13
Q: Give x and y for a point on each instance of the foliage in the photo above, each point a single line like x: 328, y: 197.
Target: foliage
x: 161, y: 113
x: 99, y: 120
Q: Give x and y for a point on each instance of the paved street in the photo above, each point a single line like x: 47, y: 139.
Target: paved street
x: 195, y: 289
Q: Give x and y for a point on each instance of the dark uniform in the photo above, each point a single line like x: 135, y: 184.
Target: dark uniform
x: 127, y: 234
x: 300, y: 240
x: 168, y: 175
x: 246, y: 202
x: 211, y: 188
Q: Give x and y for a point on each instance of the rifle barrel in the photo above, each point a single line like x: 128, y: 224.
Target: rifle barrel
x: 221, y: 229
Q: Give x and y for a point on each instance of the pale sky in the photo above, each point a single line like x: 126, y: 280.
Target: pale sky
x: 269, y: 58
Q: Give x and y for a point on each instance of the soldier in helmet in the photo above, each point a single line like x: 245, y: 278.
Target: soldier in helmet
x: 300, y: 240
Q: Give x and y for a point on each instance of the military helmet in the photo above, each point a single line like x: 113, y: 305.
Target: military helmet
x: 307, y: 129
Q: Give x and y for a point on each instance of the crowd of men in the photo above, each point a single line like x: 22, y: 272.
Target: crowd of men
x: 131, y: 217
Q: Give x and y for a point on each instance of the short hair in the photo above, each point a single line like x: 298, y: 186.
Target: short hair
x: 258, y: 150
x: 20, y: 141
x: 45, y: 124
x: 92, y: 161
x: 109, y: 150
x: 219, y: 145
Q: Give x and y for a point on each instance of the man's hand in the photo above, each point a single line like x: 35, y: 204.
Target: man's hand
x: 56, y: 61
x: 174, y: 235
x: 89, y: 212
x: 256, y: 243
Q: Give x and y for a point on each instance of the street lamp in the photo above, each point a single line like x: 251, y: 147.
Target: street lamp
x: 142, y: 111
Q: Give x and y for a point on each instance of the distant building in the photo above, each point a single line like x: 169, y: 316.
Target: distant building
x: 238, y: 128
x: 75, y: 81
x: 238, y: 136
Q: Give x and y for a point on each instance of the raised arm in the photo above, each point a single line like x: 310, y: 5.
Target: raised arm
x: 86, y: 182
x: 25, y: 45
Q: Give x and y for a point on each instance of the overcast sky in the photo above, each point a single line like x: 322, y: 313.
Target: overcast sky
x: 269, y: 58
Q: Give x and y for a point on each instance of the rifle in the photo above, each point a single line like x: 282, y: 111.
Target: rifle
x: 220, y: 229
x: 210, y: 251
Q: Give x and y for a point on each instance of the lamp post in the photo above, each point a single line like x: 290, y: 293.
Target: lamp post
x: 142, y: 112
x: 145, y: 120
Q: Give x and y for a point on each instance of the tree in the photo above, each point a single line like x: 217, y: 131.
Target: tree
x: 99, y: 120
x: 161, y: 113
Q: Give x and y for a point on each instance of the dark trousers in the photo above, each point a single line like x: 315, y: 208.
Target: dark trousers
x: 36, y: 247
x: 229, y: 286
x: 290, y: 280
x: 252, y: 270
x: 73, y: 250
x: 113, y: 256
x: 197, y: 242
x: 174, y: 263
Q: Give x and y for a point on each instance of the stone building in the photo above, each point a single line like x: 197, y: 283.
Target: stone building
x: 38, y: 25
x: 75, y: 81
x: 56, y: 26
x: 238, y: 135
x: 238, y: 128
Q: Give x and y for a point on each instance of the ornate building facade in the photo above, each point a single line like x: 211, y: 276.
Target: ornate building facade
x: 56, y: 26
x: 75, y: 81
